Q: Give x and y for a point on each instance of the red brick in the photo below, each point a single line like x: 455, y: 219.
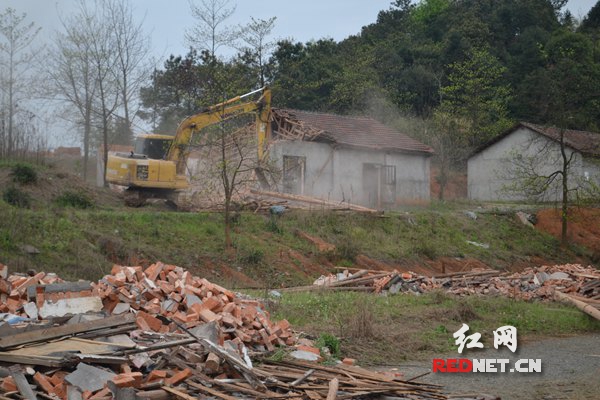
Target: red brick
x: 8, y: 384
x: 42, y: 381
x: 178, y: 377
x: 153, y: 322
x: 156, y: 375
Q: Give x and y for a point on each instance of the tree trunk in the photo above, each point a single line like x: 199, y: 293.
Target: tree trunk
x: 565, y: 192
x: 87, y: 131
x: 228, y: 243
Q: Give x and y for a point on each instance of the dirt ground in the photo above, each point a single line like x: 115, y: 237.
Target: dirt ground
x: 570, y: 370
x: 583, y: 225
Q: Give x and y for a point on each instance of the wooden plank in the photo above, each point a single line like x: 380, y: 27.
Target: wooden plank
x: 63, y: 330
x: 303, y: 377
x: 236, y: 363
x: 334, y: 384
x: 44, y: 361
x: 180, y: 394
x: 313, y: 200
x: 208, y: 390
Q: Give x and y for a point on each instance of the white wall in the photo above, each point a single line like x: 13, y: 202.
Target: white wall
x: 337, y: 173
x: 492, y: 171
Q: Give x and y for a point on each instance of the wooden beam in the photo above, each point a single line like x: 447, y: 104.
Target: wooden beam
x: 43, y: 335
x: 585, y: 307
x: 334, y: 384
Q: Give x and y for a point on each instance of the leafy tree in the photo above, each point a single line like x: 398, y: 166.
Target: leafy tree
x: 305, y: 74
x: 175, y: 91
x: 591, y: 21
x: 476, y: 92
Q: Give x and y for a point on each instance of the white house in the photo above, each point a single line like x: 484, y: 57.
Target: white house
x: 532, y: 150
x: 354, y: 159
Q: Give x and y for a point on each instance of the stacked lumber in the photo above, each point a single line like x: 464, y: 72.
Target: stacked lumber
x: 159, y: 333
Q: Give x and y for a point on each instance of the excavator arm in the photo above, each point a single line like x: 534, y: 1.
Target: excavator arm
x: 179, y: 150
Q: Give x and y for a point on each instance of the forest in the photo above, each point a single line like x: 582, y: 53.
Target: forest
x: 451, y: 73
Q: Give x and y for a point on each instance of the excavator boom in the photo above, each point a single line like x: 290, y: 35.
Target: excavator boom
x: 159, y: 173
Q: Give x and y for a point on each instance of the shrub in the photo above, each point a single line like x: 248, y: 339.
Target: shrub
x: 331, y: 342
x: 347, y: 250
x: 16, y: 197
x: 23, y: 174
x: 75, y: 200
x: 252, y: 256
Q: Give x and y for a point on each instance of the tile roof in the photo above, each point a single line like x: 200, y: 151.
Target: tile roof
x: 361, y: 132
x: 582, y: 141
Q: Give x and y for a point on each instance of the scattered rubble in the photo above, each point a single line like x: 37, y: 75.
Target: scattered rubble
x: 161, y: 333
x: 574, y: 280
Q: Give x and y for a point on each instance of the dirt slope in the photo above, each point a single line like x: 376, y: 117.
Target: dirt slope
x: 583, y: 226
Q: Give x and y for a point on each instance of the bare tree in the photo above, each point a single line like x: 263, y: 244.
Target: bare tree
x: 72, y: 77
x: 255, y: 38
x: 543, y: 169
x: 97, y: 67
x: 210, y: 32
x: 98, y: 30
x: 16, y: 58
x: 131, y: 48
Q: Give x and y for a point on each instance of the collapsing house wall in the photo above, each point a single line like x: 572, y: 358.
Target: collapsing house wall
x: 317, y: 163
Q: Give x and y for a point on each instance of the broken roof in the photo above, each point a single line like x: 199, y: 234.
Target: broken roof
x: 587, y: 143
x: 361, y: 132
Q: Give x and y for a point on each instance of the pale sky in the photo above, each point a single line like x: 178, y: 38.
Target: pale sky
x: 167, y: 20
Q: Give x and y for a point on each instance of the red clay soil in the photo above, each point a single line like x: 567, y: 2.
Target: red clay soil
x: 583, y: 225
x: 442, y: 265
x: 456, y: 188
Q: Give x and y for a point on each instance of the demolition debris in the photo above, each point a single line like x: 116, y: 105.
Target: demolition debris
x: 161, y: 333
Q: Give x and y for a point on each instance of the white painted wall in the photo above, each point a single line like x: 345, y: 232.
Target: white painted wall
x: 490, y: 171
x: 337, y: 173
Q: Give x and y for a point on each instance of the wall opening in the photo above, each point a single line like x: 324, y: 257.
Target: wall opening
x: 294, y: 171
x: 379, y: 185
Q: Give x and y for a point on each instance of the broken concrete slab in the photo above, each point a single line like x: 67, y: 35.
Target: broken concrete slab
x: 559, y: 276
x: 305, y: 355
x: 540, y: 277
x: 77, y: 305
x: 89, y: 378
x: 121, y: 308
x: 208, y: 331
x: 524, y: 218
x: 31, y: 310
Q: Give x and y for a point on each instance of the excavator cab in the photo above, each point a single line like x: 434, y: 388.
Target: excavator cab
x: 154, y: 147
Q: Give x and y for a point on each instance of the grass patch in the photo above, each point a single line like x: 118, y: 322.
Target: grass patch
x: 74, y: 199
x: 405, y: 327
x: 78, y: 241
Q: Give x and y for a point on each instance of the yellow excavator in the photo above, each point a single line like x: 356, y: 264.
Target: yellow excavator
x: 157, y: 165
